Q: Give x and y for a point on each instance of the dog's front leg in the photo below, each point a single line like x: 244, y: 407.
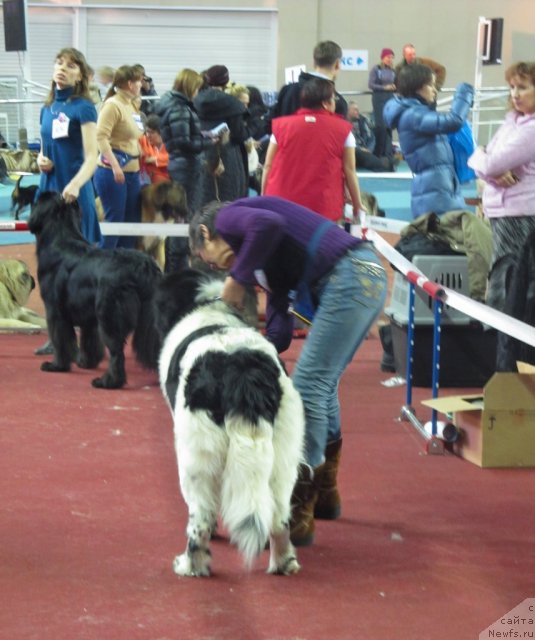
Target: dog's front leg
x: 196, y: 559
x: 63, y: 338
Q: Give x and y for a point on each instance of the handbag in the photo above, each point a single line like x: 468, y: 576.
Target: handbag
x: 302, y: 303
x: 463, y: 146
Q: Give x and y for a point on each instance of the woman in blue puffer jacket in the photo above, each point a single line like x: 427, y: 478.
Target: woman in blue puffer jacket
x: 423, y: 138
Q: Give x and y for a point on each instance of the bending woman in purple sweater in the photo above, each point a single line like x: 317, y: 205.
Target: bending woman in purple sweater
x: 264, y: 241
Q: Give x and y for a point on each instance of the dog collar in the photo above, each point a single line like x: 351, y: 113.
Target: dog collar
x: 203, y: 303
x: 229, y: 307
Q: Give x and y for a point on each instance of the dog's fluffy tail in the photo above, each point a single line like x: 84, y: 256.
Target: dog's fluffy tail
x: 246, y: 498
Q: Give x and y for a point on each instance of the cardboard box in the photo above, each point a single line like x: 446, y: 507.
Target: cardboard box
x: 497, y: 428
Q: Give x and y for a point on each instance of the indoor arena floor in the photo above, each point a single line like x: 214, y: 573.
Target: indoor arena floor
x: 428, y: 547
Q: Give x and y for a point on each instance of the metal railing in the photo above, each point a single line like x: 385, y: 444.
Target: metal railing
x: 20, y: 106
x: 487, y: 118
x: 21, y: 101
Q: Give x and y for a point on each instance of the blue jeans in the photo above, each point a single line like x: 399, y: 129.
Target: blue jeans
x: 350, y: 298
x: 121, y: 203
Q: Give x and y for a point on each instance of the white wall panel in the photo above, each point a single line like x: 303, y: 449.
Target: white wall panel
x: 163, y: 40
x: 167, y: 41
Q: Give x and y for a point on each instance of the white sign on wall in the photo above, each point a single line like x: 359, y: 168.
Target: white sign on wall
x: 291, y: 74
x: 354, y: 60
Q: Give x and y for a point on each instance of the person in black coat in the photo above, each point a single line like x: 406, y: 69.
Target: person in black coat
x: 327, y: 57
x: 225, y: 173
x: 257, y: 122
x: 147, y: 90
x: 181, y: 133
x: 520, y: 304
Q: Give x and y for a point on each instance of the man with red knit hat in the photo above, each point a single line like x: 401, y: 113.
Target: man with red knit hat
x: 382, y: 83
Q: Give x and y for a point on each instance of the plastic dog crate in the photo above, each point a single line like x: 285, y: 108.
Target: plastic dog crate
x: 450, y: 271
x: 467, y: 354
x: 467, y: 351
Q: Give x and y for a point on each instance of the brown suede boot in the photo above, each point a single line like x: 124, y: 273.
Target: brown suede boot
x: 303, y: 500
x: 328, y: 505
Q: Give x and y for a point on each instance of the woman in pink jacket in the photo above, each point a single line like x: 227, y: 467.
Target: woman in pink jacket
x: 507, y: 165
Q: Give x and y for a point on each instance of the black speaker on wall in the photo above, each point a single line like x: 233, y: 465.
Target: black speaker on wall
x: 14, y: 25
x: 493, y: 42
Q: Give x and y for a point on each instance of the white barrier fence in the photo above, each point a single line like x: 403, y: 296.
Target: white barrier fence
x: 143, y: 229
x: 488, y: 316
x: 477, y: 310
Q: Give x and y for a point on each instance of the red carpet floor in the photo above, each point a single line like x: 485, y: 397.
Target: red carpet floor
x: 429, y: 547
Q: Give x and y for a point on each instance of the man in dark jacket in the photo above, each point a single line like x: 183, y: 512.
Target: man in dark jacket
x: 327, y: 58
x: 409, y: 57
x: 147, y: 90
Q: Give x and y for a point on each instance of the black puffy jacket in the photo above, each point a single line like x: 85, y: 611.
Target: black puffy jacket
x: 181, y: 133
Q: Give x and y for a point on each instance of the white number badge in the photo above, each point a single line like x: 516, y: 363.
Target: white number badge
x: 138, y: 121
x: 60, y: 127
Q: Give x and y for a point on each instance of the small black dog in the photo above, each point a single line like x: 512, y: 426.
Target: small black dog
x: 22, y: 197
x: 106, y: 292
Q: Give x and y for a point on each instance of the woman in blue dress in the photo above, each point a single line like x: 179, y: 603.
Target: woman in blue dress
x: 68, y: 156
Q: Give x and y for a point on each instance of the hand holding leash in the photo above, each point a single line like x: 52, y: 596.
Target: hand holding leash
x: 220, y: 169
x: 233, y: 293
x: 71, y: 192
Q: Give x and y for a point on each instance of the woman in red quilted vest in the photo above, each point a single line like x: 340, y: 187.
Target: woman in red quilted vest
x: 311, y: 155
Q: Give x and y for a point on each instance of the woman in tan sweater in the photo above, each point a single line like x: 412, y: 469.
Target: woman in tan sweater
x: 119, y: 128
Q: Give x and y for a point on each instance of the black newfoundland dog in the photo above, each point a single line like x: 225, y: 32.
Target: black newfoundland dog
x: 107, y: 293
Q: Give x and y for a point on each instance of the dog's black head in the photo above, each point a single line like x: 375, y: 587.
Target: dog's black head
x: 177, y: 294
x: 50, y: 211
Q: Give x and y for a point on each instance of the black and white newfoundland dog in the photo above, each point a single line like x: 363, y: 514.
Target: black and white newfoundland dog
x: 238, y: 424
x: 106, y: 292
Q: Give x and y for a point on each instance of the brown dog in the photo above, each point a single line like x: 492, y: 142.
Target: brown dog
x: 161, y: 202
x: 16, y: 284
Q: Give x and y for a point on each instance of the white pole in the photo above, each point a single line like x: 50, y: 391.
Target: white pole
x: 26, y: 68
x: 477, y: 81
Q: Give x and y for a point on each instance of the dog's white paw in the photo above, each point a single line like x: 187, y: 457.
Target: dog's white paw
x: 183, y: 566
x: 284, y: 566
